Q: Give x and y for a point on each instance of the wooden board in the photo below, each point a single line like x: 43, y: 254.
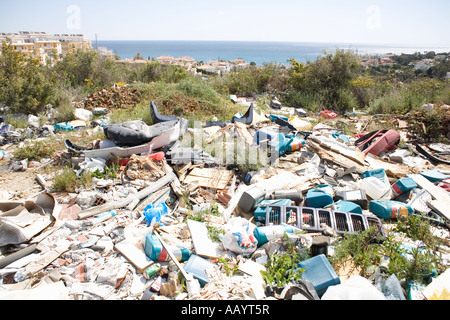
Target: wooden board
x: 209, y: 178
x: 134, y: 255
x: 441, y: 199
x: 202, y: 244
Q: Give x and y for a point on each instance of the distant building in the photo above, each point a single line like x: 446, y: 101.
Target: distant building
x: 44, y: 46
x: 386, y: 61
x: 108, y: 54
x: 424, y: 64
x: 372, y: 62
x: 165, y: 59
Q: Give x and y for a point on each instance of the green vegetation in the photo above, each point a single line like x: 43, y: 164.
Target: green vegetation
x: 283, y: 268
x: 67, y: 180
x: 335, y: 81
x: 365, y: 249
x: 36, y: 150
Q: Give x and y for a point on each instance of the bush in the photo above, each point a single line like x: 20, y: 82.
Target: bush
x: 26, y: 86
x: 329, y: 77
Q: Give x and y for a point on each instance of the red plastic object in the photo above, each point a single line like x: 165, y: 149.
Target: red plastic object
x: 328, y: 114
x: 158, y: 156
x: 445, y: 184
x: 379, y: 141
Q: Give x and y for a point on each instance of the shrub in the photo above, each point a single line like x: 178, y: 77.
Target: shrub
x: 37, y: 150
x: 26, y: 86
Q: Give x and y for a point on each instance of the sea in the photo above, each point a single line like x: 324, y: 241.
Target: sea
x: 250, y: 51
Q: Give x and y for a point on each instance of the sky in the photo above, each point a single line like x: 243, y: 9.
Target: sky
x: 396, y: 22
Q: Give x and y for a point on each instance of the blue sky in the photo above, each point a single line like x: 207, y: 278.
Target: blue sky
x: 396, y: 22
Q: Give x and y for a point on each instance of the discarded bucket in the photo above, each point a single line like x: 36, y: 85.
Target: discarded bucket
x: 389, y: 209
x: 268, y: 233
x: 403, y: 185
x: 250, y: 198
x: 320, y: 272
x: 155, y: 251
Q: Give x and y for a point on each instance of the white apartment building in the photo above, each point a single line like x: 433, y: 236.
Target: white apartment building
x: 45, y: 47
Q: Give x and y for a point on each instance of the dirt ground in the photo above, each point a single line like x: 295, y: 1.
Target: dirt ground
x: 19, y: 185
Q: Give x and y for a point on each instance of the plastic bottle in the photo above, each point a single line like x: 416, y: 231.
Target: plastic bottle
x: 319, y: 197
x: 296, y: 144
x: 155, y: 251
x: 389, y: 209
x: 103, y: 217
x: 403, y: 185
x: 268, y: 233
x: 376, y: 189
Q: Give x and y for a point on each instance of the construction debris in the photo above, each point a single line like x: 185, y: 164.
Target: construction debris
x: 168, y: 217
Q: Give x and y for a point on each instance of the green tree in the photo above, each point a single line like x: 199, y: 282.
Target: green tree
x: 329, y: 77
x: 88, y: 70
x: 26, y: 86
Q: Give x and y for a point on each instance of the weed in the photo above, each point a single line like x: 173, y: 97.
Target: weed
x: 67, y: 180
x: 417, y: 228
x: 229, y: 268
x: 215, y: 233
x: 37, y: 150
x: 365, y: 250
x: 283, y: 267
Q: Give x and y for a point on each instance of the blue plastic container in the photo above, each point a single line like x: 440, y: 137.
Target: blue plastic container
x: 281, y: 143
x: 268, y: 233
x: 434, y: 175
x: 318, y: 197
x: 264, y: 134
x: 320, y: 272
x: 348, y: 206
x: 403, y: 185
x: 389, y: 209
x: 155, y: 251
x: 197, y: 266
x: 63, y: 126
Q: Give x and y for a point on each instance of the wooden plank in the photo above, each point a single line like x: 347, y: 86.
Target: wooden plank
x: 441, y: 202
x: 202, y: 244
x: 209, y: 178
x: 134, y: 255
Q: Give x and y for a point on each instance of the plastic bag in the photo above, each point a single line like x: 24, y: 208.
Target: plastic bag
x: 355, y: 288
x: 155, y: 212
x: 239, y: 236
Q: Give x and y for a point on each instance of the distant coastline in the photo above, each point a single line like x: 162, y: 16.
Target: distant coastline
x: 250, y: 51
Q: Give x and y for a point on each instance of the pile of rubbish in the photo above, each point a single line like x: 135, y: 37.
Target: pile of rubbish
x: 113, y: 97
x: 196, y: 213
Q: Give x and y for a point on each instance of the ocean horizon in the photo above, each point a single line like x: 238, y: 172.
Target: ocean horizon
x: 259, y: 52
